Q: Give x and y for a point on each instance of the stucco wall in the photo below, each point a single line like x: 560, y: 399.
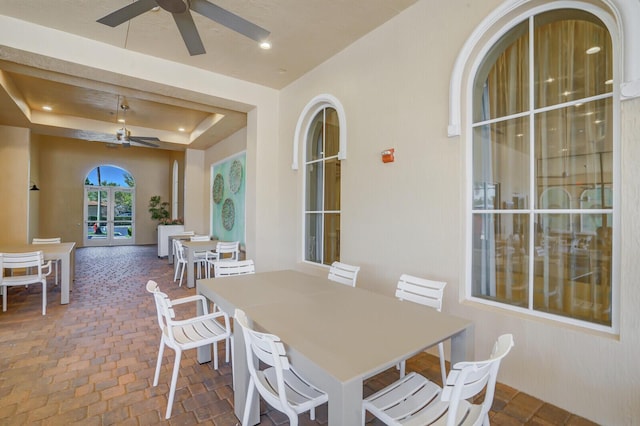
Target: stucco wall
x: 408, y: 216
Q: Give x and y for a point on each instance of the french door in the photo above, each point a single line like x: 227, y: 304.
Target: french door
x: 108, y: 216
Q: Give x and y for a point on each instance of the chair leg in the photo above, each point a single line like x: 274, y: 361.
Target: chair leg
x: 5, y: 290
x: 176, y: 270
x: 159, y: 362
x: 181, y: 273
x: 249, y: 400
x: 403, y: 366
x: 174, y: 380
x: 215, y: 356
x: 44, y: 296
x: 443, y: 368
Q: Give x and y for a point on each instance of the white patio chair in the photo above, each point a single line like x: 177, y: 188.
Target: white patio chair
x: 180, y: 263
x: 343, y: 273
x: 191, y: 333
x: 225, y: 251
x: 279, y: 384
x: 425, y: 292
x: 417, y: 401
x: 200, y: 257
x: 57, y: 262
x: 229, y: 268
x: 24, y: 269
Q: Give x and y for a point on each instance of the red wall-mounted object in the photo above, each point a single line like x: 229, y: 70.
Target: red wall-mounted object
x: 387, y: 155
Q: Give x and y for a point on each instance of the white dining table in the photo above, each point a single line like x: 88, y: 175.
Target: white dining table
x: 335, y: 335
x: 65, y: 252
x: 191, y: 247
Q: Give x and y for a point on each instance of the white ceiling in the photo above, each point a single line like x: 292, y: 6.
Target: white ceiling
x: 304, y: 33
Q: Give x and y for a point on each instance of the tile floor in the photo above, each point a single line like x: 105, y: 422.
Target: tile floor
x: 92, y: 362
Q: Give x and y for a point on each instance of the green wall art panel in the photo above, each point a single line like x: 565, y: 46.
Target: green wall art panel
x: 227, y: 198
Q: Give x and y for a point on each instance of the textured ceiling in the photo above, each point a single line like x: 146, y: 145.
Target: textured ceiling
x: 304, y: 33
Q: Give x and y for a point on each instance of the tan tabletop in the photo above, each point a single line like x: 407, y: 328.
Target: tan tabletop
x: 65, y: 252
x: 336, y: 335
x: 191, y: 247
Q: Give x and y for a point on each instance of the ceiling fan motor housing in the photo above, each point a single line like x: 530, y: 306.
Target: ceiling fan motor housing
x: 173, y: 6
x: 123, y: 135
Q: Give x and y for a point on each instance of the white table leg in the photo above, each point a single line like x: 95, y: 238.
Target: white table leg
x: 65, y: 285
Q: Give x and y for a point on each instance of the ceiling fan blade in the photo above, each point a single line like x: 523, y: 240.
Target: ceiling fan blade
x: 144, y: 141
x: 229, y: 20
x: 189, y: 32
x: 128, y: 12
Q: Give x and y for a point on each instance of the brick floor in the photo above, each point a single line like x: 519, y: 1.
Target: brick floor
x: 91, y: 362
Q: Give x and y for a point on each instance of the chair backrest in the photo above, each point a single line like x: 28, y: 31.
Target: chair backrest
x: 231, y: 248
x: 269, y: 350
x: 164, y: 308
x: 421, y: 290
x: 200, y: 238
x: 178, y: 250
x: 233, y: 267
x: 467, y: 379
x: 343, y: 273
x: 57, y: 240
x: 30, y: 261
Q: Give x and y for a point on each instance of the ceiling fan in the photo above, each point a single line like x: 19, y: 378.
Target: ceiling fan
x: 182, y: 16
x: 124, y: 135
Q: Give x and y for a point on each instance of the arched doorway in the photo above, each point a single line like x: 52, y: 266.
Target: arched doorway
x: 109, y: 194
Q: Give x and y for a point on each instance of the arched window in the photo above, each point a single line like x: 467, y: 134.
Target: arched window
x: 542, y: 133
x: 324, y: 147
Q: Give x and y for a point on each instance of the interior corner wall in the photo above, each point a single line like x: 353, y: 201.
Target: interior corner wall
x: 14, y: 184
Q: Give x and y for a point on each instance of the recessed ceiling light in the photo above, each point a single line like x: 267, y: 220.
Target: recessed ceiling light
x: 550, y: 80
x: 610, y: 81
x: 120, y: 120
x: 592, y: 50
x: 47, y: 108
x: 181, y: 129
x: 155, y: 9
x: 265, y: 45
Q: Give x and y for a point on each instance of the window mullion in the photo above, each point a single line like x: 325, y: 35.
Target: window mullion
x: 532, y: 162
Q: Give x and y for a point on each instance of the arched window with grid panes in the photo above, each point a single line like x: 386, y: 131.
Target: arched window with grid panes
x: 543, y: 155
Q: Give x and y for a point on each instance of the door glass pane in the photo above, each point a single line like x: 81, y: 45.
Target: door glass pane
x: 313, y: 243
x: 501, y: 86
x: 313, y: 196
x: 501, y: 164
x: 97, y: 202
x: 332, y: 238
x: 573, y: 57
x: 332, y: 184
x: 122, y: 214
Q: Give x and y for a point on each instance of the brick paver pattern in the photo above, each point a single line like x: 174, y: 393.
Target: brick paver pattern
x: 91, y: 362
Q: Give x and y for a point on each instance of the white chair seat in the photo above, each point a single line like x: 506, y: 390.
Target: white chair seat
x: 203, y: 330
x: 278, y: 384
x: 415, y: 401
x: 20, y: 267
